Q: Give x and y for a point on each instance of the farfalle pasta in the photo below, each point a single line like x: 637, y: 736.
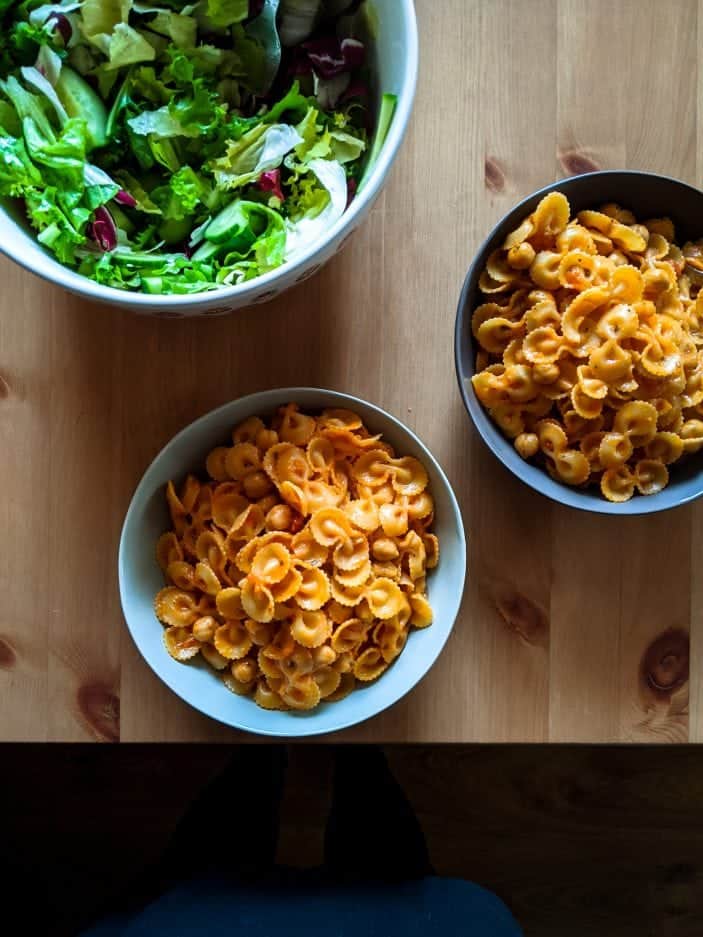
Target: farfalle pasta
x: 298, y: 567
x: 590, y: 348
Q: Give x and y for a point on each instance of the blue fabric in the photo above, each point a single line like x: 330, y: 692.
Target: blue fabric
x: 430, y: 907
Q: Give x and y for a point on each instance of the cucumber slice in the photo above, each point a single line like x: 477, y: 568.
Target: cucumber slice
x: 79, y: 100
x: 152, y: 284
x: 385, y: 116
x: 206, y: 251
x: 231, y: 224
x: 140, y: 258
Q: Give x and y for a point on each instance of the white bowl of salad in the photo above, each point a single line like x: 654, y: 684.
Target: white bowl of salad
x: 189, y: 159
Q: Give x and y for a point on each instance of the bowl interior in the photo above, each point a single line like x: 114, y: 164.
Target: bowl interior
x: 140, y: 577
x: 648, y: 196
x: 394, y: 59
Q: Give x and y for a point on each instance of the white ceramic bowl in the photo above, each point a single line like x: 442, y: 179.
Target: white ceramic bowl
x: 395, y: 67
x: 140, y: 577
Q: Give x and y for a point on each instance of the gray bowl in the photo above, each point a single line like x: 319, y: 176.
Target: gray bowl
x: 648, y: 196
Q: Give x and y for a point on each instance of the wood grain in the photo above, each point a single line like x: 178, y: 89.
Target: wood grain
x: 562, y: 611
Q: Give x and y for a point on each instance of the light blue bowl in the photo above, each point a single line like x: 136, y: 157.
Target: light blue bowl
x: 140, y: 577
x: 648, y: 196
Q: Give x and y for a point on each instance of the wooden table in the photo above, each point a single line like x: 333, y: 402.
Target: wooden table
x: 561, y: 608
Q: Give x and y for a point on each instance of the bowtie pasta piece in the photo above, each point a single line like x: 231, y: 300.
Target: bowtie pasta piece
x: 248, y: 430
x: 215, y: 464
x: 240, y: 687
x: 229, y: 603
x: 271, y: 563
x: 692, y: 435
x: 595, y: 324
x: 180, y: 643
x: 296, y: 665
x: 303, y: 694
x: 294, y: 426
x: 206, y: 579
x: 330, y: 527
x: 266, y: 697
x: 363, y: 513
x: 320, y: 495
x: 305, y: 547
x: 261, y: 633
x: 181, y: 574
x: 228, y: 503
x: 311, y: 629
x: 348, y: 444
x: 321, y: 455
x: 314, y: 589
x: 351, y: 554
x: 350, y: 635
x: 327, y: 680
x: 340, y: 419
x: 385, y: 598
x: 213, y: 657
x: 257, y: 600
x: 232, y: 640
x: 242, y: 459
x: 168, y: 550
x: 353, y: 577
x: 175, y: 607
x: 651, y: 476
x: 369, y: 665
x: 286, y: 462
x: 372, y: 468
x: 298, y: 567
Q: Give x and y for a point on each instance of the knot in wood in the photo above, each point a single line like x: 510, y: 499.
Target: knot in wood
x: 100, y: 707
x: 665, y: 663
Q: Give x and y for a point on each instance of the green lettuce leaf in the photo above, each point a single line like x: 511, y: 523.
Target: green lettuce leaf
x: 160, y: 124
x: 17, y: 172
x: 65, y: 153
x: 185, y: 192
x: 190, y: 188
x: 314, y: 223
x: 226, y: 12
x: 28, y: 105
x: 164, y: 152
x: 345, y: 147
x: 258, y: 150
x: 34, y: 77
x: 203, y: 61
x: 315, y: 140
x: 294, y: 102
x: 26, y: 39
x: 201, y: 110
x: 9, y: 121
x: 104, y: 23
x: 99, y: 187
x: 127, y: 46
x: 99, y: 17
x: 132, y: 185
x: 57, y: 230
x: 143, y: 83
x: 181, y: 29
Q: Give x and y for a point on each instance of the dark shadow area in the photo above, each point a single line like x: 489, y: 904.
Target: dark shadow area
x: 589, y: 842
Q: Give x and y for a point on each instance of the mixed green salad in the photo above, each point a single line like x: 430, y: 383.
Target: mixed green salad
x: 174, y: 148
